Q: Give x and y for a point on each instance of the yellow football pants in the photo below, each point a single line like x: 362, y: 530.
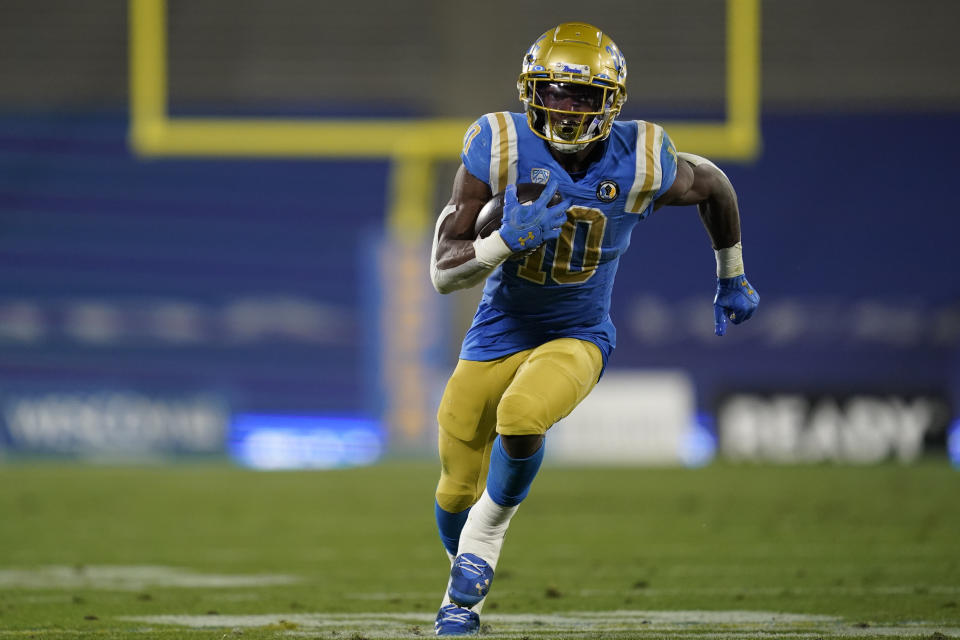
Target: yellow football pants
x: 524, y: 393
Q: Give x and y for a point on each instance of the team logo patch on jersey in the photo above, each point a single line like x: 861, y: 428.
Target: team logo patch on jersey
x: 607, y: 191
x: 540, y: 176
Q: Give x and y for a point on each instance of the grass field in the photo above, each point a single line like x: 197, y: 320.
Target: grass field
x: 209, y: 551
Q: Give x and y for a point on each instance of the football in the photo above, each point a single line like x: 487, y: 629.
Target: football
x: 490, y: 217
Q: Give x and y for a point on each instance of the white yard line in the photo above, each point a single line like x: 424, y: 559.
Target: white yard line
x: 942, y: 589
x: 129, y: 578
x: 574, y: 624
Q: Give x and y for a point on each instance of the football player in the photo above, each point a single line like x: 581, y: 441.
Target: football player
x: 542, y: 333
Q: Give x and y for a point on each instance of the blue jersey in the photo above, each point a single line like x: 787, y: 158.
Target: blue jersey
x: 563, y: 289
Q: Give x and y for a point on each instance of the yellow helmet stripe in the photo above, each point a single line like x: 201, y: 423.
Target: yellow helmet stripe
x: 648, y: 174
x: 503, y: 151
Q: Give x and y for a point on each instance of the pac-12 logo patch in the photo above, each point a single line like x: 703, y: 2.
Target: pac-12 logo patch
x: 540, y: 176
x: 607, y: 191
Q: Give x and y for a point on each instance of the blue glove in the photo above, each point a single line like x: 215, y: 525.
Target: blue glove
x: 736, y: 299
x: 527, y: 226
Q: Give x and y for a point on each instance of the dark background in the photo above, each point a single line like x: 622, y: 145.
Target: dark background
x: 248, y: 279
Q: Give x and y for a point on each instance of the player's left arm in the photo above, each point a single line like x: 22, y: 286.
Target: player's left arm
x: 698, y: 181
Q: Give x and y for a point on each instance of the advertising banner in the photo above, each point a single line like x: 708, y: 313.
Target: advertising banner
x: 855, y: 428
x: 111, y: 424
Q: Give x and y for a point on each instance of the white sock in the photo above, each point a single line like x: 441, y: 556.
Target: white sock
x: 485, y: 529
x: 446, y: 597
x: 483, y: 535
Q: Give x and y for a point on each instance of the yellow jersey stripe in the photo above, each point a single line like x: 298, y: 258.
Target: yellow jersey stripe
x: 494, y: 177
x: 512, y: 152
x: 640, y: 169
x: 648, y: 174
x: 503, y: 151
x: 655, y: 158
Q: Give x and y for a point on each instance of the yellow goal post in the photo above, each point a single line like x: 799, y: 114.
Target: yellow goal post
x: 412, y: 145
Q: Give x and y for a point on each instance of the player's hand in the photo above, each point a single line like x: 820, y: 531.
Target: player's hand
x: 736, y: 300
x: 527, y: 226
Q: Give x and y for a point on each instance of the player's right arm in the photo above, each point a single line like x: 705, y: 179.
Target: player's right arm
x: 458, y: 260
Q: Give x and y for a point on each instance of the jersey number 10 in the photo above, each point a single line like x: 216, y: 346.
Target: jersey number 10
x: 561, y: 271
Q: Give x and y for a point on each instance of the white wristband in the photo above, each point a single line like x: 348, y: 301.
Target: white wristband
x: 492, y: 250
x: 730, y: 261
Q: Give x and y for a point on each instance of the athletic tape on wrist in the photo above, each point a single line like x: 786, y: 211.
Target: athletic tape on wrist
x: 492, y: 250
x: 730, y: 261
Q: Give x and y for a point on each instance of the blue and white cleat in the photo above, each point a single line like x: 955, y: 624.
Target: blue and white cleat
x: 456, y: 621
x: 470, y: 579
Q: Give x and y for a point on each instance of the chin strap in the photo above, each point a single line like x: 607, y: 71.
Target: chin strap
x: 573, y: 147
x: 564, y: 147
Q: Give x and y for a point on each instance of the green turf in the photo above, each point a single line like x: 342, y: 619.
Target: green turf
x: 875, y: 547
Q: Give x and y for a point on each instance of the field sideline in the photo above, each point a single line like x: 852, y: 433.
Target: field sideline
x: 209, y: 551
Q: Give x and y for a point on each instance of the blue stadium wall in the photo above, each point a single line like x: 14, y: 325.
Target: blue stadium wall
x: 248, y: 286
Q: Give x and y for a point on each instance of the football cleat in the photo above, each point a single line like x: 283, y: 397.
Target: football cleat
x: 470, y: 579
x: 456, y: 621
